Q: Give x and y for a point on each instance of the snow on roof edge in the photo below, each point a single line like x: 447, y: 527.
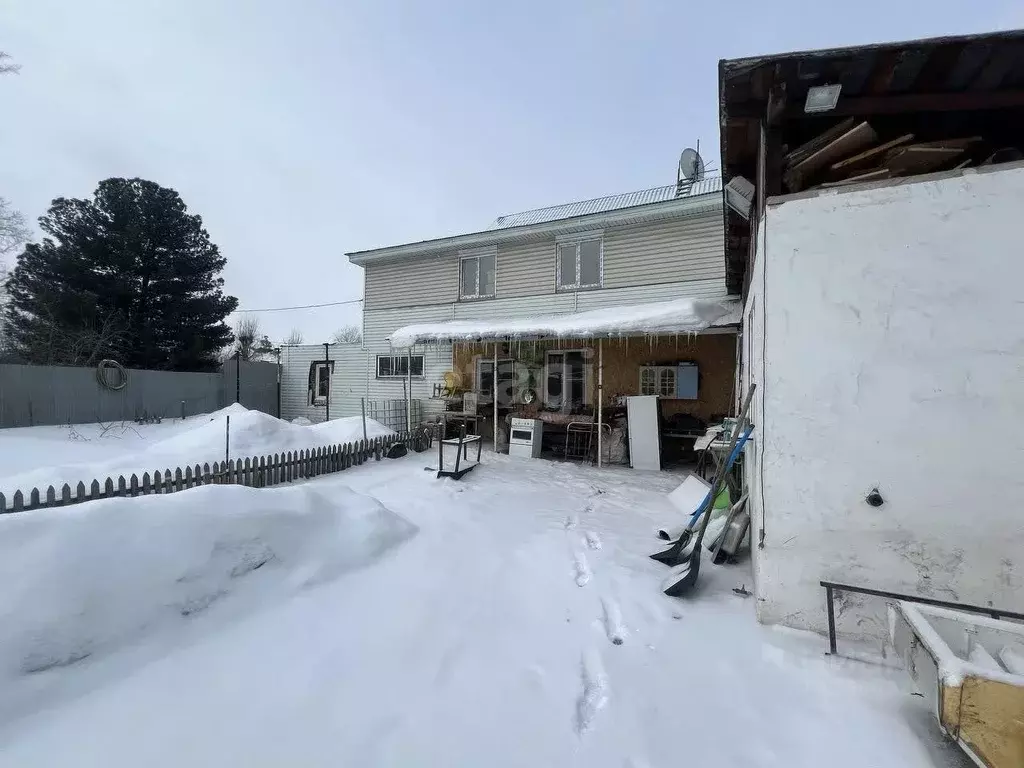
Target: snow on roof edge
x: 664, y: 317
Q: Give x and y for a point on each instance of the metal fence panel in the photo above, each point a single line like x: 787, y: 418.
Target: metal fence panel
x: 34, y: 395
x: 255, y: 384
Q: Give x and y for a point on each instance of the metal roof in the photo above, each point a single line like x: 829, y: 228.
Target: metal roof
x: 604, y: 204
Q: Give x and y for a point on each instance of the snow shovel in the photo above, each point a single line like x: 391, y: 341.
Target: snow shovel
x: 680, y: 549
x: 684, y: 576
x: 675, y: 554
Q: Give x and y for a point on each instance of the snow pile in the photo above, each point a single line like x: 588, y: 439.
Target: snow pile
x: 665, y: 317
x: 348, y: 430
x: 80, y: 582
x: 197, y: 440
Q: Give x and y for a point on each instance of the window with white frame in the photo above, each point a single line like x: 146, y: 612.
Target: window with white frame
x: 579, y: 263
x: 320, y: 381
x: 476, y: 275
x: 658, y: 380
x: 397, y: 366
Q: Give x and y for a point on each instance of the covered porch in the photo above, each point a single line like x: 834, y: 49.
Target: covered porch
x: 606, y: 387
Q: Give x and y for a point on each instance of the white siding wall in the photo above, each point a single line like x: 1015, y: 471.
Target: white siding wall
x: 666, y: 252
x: 412, y: 282
x: 893, y: 331
x: 377, y: 326
x: 348, y: 382
x: 679, y: 250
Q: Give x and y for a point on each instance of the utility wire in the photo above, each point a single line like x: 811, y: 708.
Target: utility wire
x: 303, y: 306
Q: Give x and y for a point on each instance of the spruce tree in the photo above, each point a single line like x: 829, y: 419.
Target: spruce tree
x: 128, y: 275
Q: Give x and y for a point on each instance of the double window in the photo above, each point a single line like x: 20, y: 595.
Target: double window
x: 565, y: 386
x: 397, y: 366
x: 507, y: 380
x: 476, y: 275
x: 579, y: 263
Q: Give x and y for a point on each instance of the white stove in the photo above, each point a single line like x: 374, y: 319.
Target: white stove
x: 525, y: 437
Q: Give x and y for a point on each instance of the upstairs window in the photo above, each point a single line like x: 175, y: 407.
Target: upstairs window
x: 580, y: 264
x: 397, y: 366
x: 476, y: 276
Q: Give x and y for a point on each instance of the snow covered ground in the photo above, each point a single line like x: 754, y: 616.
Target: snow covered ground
x: 510, y: 619
x: 35, y: 457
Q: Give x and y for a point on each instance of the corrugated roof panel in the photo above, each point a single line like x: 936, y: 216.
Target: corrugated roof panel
x: 604, y: 204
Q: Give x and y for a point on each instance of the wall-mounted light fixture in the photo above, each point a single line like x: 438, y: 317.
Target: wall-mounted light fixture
x: 822, y: 98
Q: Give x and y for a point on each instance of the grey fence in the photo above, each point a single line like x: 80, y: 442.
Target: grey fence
x: 34, y: 395
x: 256, y: 472
x: 254, y: 385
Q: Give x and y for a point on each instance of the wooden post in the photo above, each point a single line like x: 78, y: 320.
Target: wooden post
x: 600, y: 395
x: 227, y: 438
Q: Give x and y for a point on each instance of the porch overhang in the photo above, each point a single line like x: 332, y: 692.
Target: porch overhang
x: 680, y: 316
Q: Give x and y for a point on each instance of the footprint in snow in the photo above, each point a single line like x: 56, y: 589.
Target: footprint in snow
x: 593, y: 540
x: 593, y: 691
x: 582, y: 569
x: 613, y: 626
x: 571, y: 521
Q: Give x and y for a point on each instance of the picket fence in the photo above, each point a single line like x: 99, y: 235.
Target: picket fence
x: 256, y: 472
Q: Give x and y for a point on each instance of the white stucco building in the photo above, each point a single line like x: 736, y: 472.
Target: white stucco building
x: 884, y: 331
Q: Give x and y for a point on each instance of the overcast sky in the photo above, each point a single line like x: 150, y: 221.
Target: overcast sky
x: 301, y: 130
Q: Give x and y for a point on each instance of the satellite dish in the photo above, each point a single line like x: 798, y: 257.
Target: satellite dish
x: 691, y: 167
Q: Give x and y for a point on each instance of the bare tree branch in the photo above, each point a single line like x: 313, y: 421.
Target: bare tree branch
x: 347, y: 334
x: 13, y: 229
x: 294, y: 338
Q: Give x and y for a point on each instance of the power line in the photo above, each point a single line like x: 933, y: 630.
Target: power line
x: 303, y: 306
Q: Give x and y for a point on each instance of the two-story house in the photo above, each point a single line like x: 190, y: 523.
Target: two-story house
x: 462, y: 296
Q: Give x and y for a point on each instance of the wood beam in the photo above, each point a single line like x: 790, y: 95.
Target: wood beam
x: 891, y: 105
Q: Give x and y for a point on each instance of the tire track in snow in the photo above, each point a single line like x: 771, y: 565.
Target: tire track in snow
x: 593, y: 691
x: 613, y: 626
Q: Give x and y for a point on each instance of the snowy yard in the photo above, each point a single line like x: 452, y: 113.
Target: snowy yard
x: 381, y: 617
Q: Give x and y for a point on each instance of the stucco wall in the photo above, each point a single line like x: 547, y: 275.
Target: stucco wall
x: 892, y: 322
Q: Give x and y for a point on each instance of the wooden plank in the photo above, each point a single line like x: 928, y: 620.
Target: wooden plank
x: 992, y: 721
x: 33, y: 498
x: 51, y: 496
x: 951, y: 143
x: 3, y: 504
x: 146, y: 484
x: 178, y: 479
x: 913, y: 160
x: 864, y: 159
x: 108, y: 488
x: 854, y: 140
x: 65, y: 494
x: 808, y: 148
x: 876, y: 175
x: 18, y: 502
x: 94, y: 490
x: 134, y: 484
x: 80, y: 491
